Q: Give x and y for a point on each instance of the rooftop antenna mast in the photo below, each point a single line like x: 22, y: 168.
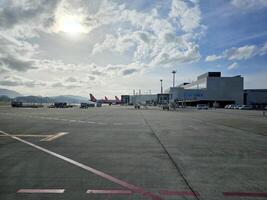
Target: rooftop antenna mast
x: 173, y: 78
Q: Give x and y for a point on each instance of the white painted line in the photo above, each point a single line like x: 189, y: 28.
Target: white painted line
x: 101, y: 123
x: 26, y: 135
x: 91, y: 122
x: 53, y: 137
x: 56, y: 191
x: 92, y: 170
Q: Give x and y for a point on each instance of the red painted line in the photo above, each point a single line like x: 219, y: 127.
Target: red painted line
x: 178, y: 193
x: 57, y: 191
x: 109, y: 192
x: 245, y: 194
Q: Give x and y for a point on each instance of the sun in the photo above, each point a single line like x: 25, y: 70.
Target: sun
x: 71, y: 25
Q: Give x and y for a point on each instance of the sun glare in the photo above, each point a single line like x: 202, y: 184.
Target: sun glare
x: 71, y: 25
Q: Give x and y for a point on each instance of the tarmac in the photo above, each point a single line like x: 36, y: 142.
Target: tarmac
x: 117, y: 152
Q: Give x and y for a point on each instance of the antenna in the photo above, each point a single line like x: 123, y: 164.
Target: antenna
x: 173, y: 78
x: 161, y: 88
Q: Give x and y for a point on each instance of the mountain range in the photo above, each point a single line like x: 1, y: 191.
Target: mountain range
x: 9, y: 95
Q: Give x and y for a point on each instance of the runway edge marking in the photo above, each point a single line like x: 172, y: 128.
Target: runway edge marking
x: 120, y: 182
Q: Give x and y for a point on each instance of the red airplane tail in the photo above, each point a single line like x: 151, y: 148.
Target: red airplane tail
x: 92, y: 98
x: 117, y: 99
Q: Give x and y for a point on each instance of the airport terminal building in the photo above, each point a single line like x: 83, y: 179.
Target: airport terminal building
x: 209, y: 88
x: 255, y: 97
x: 139, y: 99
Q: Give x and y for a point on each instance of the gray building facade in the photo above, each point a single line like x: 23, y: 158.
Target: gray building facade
x: 255, y: 97
x: 209, y: 88
x: 142, y: 98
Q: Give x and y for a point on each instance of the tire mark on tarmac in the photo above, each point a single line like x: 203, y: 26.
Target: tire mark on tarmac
x: 108, y: 177
x: 69, y: 120
x: 195, y: 194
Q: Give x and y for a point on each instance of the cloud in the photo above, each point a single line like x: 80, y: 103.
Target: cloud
x: 187, y: 15
x: 117, y: 39
x: 112, y: 43
x: 71, y: 79
x: 232, y: 66
x: 145, y: 37
x: 169, y: 54
x: 58, y: 84
x: 25, y: 18
x: 61, y: 85
x: 97, y: 71
x: 20, y: 81
x: 213, y: 58
x: 3, y: 70
x: 129, y: 71
x: 249, y: 4
x: 16, y: 64
x: 241, y: 53
x: 263, y: 50
x: 91, y: 78
x: 9, y: 83
x: 150, y: 38
x: 15, y: 54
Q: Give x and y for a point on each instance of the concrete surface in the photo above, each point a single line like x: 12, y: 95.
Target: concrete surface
x: 150, y: 154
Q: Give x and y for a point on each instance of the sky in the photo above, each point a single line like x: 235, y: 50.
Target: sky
x: 111, y: 47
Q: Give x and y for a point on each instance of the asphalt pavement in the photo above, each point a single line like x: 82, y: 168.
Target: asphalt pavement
x: 117, y: 152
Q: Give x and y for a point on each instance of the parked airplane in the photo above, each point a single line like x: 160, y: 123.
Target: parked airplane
x: 105, y: 100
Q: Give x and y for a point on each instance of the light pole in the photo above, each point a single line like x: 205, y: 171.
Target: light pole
x: 161, y: 88
x: 173, y: 78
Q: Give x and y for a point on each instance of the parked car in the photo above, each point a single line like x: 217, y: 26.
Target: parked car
x: 227, y: 106
x: 245, y: 107
x: 232, y: 106
x: 202, y: 107
x: 237, y: 106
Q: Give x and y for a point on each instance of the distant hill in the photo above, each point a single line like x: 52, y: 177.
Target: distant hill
x: 63, y: 98
x: 5, y: 98
x: 9, y: 93
x: 70, y: 99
